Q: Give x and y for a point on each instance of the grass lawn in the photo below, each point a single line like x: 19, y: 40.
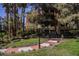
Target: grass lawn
x: 70, y: 47
x: 25, y: 42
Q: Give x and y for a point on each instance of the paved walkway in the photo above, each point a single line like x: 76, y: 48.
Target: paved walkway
x: 50, y: 42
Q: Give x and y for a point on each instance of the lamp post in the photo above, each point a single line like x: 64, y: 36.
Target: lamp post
x: 39, y: 35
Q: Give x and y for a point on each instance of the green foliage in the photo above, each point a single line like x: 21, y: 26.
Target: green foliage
x: 2, y: 54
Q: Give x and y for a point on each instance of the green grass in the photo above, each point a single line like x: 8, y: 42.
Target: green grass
x: 70, y: 47
x: 25, y: 42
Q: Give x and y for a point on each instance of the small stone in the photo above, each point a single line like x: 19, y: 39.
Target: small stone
x: 25, y: 49
x: 45, y: 44
x: 3, y: 50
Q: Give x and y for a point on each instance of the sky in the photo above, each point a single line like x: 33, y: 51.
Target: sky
x: 3, y: 13
x: 2, y: 10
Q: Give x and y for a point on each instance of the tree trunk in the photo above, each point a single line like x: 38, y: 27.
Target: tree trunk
x: 15, y: 19
x: 57, y: 30
x: 23, y: 17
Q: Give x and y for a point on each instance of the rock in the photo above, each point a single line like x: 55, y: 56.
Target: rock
x: 52, y: 41
x: 45, y: 45
x: 11, y: 50
x: 25, y: 49
x: 3, y: 50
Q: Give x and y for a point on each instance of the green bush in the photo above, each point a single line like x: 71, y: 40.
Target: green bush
x: 1, y: 54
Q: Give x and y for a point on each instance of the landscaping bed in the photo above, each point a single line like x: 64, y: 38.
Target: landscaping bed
x: 70, y: 47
